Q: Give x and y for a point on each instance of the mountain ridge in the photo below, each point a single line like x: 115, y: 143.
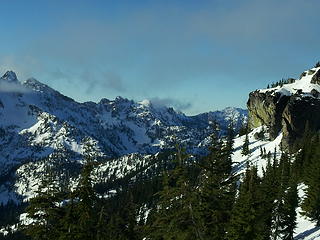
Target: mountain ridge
x: 38, y: 122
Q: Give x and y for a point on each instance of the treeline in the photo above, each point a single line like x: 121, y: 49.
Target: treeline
x: 281, y: 82
x: 188, y: 199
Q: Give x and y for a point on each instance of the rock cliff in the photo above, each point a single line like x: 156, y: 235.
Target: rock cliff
x: 290, y: 108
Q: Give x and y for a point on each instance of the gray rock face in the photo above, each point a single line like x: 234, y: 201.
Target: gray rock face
x: 300, y: 114
x: 316, y: 78
x: 289, y: 114
x: 266, y: 109
x: 10, y: 76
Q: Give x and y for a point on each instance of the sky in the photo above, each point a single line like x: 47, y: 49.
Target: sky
x: 193, y: 55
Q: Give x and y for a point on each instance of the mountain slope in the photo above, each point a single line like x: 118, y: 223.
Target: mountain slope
x: 39, y: 123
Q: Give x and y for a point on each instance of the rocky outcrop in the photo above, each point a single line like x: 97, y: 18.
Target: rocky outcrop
x: 300, y: 114
x: 316, y: 78
x: 266, y: 108
x: 289, y: 114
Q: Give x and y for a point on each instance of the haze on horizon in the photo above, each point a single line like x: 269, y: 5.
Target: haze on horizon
x: 195, y: 56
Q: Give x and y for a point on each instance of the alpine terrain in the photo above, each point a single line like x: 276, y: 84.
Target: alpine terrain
x: 134, y: 170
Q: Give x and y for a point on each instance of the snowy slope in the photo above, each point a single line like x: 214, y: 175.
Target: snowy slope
x: 305, y: 228
x: 28, y: 175
x: 38, y: 124
x: 303, y: 85
x: 33, y: 115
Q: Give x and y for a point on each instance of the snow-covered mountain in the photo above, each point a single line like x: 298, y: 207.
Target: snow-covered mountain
x: 37, y: 123
x: 41, y: 127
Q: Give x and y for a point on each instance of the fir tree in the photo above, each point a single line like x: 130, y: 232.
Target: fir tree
x: 44, y: 210
x: 245, y: 147
x: 311, y: 202
x: 290, y: 204
x: 247, y: 221
x: 269, y: 192
x: 85, y: 207
x: 227, y: 148
x: 176, y: 215
x: 217, y: 188
x: 284, y: 212
x: 69, y: 222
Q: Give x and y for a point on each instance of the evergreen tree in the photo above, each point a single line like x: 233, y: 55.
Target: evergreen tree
x: 80, y: 219
x: 123, y: 221
x: 290, y: 204
x: 247, y: 221
x: 244, y: 128
x: 227, y: 148
x: 176, y: 215
x: 269, y: 191
x: 86, y: 203
x: 245, y: 147
x: 217, y: 188
x: 44, y: 210
x: 284, y: 212
x: 311, y: 202
x: 69, y: 222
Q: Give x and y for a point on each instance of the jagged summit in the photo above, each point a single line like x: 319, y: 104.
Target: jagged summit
x: 46, y: 121
x: 10, y: 76
x: 36, y: 85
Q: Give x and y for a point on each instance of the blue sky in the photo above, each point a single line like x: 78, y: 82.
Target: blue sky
x: 193, y: 55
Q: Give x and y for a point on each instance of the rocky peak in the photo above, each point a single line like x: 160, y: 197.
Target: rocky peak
x: 35, y: 85
x: 10, y: 76
x: 288, y: 108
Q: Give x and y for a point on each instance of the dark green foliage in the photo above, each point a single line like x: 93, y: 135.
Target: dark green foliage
x: 260, y: 135
x: 45, y: 211
x: 227, y: 148
x: 217, y: 187
x: 18, y: 235
x: 245, y: 147
x: 123, y: 222
x: 311, y: 203
x: 9, y: 213
x: 86, y: 203
x: 287, y: 212
x: 317, y: 65
x: 281, y: 82
x: 186, y: 198
x: 247, y: 219
x: 269, y: 191
x: 284, y: 212
x: 176, y: 215
x: 243, y: 129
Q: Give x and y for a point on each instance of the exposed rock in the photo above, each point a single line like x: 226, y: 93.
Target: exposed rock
x: 299, y: 114
x: 289, y: 108
x: 303, y: 75
x: 289, y: 114
x: 9, y: 76
x: 315, y: 93
x: 266, y: 109
x: 316, y: 78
